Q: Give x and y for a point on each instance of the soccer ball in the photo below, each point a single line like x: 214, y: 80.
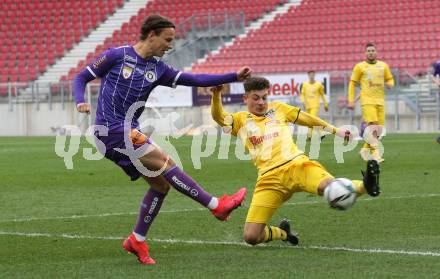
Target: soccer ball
x: 340, y: 194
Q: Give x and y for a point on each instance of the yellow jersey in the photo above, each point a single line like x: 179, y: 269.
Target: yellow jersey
x: 311, y: 93
x: 372, y: 78
x: 268, y: 138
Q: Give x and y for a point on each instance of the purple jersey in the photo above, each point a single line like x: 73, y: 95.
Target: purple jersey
x: 127, y: 78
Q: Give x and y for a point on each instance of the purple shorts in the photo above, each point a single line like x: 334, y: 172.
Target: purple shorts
x: 116, y: 140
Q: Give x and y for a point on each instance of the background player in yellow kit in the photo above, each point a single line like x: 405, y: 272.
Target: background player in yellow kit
x: 311, y: 93
x: 282, y: 168
x: 372, y: 75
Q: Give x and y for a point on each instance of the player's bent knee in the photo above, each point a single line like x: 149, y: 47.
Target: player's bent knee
x: 162, y: 188
x: 252, y: 238
x: 158, y: 183
x: 253, y: 233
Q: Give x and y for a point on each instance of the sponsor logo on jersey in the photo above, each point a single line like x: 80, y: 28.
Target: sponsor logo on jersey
x: 150, y: 65
x: 129, y: 58
x: 126, y: 72
x: 141, y: 72
x: 258, y: 140
x: 99, y: 61
x: 130, y: 65
x: 150, y: 76
x: 375, y: 85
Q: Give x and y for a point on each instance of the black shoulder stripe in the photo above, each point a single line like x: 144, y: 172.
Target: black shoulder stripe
x: 297, y: 116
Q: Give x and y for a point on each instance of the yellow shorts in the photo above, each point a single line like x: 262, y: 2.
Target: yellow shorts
x: 373, y: 113
x: 277, y: 186
x: 313, y: 111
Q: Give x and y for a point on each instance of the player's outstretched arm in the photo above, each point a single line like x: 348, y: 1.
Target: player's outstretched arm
x: 217, y: 112
x: 206, y: 80
x: 306, y: 119
x: 244, y: 73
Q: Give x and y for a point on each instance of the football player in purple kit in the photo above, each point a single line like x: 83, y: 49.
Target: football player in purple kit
x: 128, y: 75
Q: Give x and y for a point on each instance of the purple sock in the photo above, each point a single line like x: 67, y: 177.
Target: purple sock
x: 150, y: 206
x: 186, y: 185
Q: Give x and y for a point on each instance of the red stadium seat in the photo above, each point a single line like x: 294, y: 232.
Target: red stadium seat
x: 13, y: 78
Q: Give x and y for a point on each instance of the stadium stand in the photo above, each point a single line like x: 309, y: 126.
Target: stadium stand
x: 36, y: 33
x: 181, y: 11
x: 45, y: 43
x: 330, y: 35
x: 324, y: 35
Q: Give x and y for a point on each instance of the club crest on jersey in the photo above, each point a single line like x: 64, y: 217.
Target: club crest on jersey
x: 126, y: 72
x: 150, y: 76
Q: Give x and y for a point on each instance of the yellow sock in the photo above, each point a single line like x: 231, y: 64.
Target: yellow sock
x: 359, y: 187
x: 366, y: 145
x: 274, y: 233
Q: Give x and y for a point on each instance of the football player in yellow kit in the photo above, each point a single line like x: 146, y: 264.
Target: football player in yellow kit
x: 311, y: 93
x: 282, y: 168
x: 372, y: 75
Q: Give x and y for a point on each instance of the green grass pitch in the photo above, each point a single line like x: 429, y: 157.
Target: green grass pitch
x: 59, y: 223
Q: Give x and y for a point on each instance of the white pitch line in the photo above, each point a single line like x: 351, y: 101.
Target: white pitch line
x: 232, y: 243
x: 29, y: 219
x: 70, y: 236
